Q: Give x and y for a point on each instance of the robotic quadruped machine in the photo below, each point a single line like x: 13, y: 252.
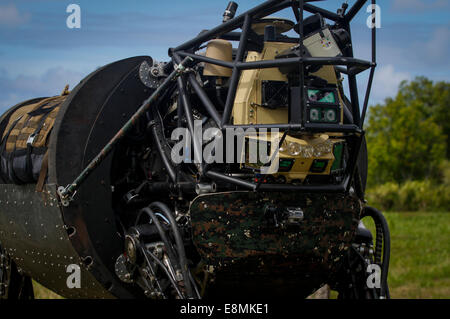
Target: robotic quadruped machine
x: 89, y: 177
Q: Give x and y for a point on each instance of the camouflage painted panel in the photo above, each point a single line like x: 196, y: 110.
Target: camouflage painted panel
x: 251, y: 230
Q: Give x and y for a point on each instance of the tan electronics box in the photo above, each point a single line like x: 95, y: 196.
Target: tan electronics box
x: 322, y: 44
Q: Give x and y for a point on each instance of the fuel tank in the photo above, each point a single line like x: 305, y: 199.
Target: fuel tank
x: 43, y: 237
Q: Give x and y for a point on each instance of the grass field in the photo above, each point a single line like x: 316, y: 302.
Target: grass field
x: 420, y: 256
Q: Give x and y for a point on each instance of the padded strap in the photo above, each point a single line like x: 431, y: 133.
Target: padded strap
x: 29, y: 164
x: 5, y: 177
x: 42, y: 174
x: 41, y: 110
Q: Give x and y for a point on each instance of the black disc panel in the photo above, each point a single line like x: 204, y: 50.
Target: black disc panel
x: 92, y: 114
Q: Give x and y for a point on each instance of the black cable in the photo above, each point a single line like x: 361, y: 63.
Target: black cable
x: 195, y: 286
x: 378, y: 243
x: 150, y: 266
x: 164, y: 158
x: 146, y: 252
x: 179, y: 243
x: 380, y: 220
x: 162, y: 233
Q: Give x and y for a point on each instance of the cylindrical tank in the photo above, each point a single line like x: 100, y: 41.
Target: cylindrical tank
x: 43, y: 237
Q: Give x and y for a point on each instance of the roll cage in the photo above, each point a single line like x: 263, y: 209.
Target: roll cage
x: 184, y: 55
x: 349, y: 65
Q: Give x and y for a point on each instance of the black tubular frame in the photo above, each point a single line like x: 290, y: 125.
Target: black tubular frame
x: 349, y: 65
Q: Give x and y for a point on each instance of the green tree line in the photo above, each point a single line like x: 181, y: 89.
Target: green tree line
x: 407, y: 138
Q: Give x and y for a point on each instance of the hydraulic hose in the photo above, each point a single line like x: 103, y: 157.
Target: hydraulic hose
x: 382, y: 229
x: 162, y: 153
x: 148, y: 253
x: 163, y: 235
x: 180, y: 245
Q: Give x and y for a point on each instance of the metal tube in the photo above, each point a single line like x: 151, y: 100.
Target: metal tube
x: 374, y: 33
x: 190, y: 119
x: 267, y: 64
x: 344, y: 128
x: 179, y: 124
x: 206, y: 59
x: 353, y: 161
x: 354, y: 10
x: 232, y: 180
x: 352, y: 83
x: 341, y: 69
x: 338, y: 61
x: 313, y: 127
x: 297, y: 113
x: 236, y: 72
x: 231, y: 36
x: 325, y: 13
x: 306, y: 189
x: 355, y: 99
x: 374, y: 61
x: 274, y: 8
x: 269, y: 6
x: 366, y: 98
x: 67, y: 192
x: 278, y: 187
x: 293, y: 127
x: 209, y: 106
x: 347, y: 112
x: 162, y: 153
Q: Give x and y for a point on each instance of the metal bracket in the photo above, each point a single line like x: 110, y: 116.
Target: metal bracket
x: 180, y: 69
x: 64, y: 197
x: 31, y: 139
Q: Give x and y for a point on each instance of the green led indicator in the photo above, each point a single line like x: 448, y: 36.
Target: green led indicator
x: 286, y: 164
x: 319, y: 164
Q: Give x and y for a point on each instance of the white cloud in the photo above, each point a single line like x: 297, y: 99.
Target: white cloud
x: 11, y: 17
x: 386, y: 82
x: 51, y: 80
x: 420, y: 5
x: 438, y: 47
x: 23, y: 87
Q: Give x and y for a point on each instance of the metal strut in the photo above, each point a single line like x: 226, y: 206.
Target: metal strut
x: 66, y: 193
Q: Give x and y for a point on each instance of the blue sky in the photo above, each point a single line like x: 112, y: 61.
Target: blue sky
x: 39, y: 54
